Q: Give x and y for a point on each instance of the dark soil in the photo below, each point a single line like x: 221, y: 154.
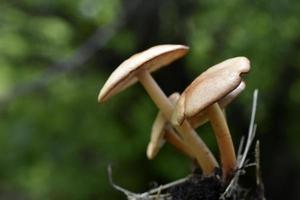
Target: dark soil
x: 198, y: 187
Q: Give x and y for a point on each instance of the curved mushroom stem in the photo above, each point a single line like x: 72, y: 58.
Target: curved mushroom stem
x: 224, y: 140
x: 204, y: 157
x: 177, y: 142
x: 162, y: 131
x: 171, y: 136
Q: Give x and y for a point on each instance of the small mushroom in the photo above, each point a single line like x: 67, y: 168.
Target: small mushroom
x: 162, y: 131
x: 201, y: 118
x: 157, y: 139
x: 139, y: 67
x: 148, y: 61
x: 204, y: 93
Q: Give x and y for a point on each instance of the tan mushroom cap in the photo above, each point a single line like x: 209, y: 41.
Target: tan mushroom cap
x: 201, y: 117
x: 151, y: 59
x: 211, y: 86
x: 158, y: 130
x: 160, y: 125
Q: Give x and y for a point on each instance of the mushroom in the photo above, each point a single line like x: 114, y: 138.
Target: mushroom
x: 139, y: 67
x: 201, y: 118
x: 162, y: 131
x: 204, y: 93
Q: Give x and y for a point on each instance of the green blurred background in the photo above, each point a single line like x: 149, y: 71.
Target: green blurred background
x: 56, y: 141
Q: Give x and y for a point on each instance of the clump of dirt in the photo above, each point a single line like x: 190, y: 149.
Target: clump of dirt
x: 198, y: 188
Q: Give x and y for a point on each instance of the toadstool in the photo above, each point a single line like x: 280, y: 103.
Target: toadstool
x: 162, y: 131
x: 204, y: 93
x: 201, y: 118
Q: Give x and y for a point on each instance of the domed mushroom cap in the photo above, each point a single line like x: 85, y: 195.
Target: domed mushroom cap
x: 211, y: 86
x: 150, y: 59
x: 201, y: 117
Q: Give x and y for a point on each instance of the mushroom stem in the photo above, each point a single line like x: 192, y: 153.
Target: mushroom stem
x: 171, y: 136
x: 177, y: 142
x: 202, y: 153
x: 223, y: 137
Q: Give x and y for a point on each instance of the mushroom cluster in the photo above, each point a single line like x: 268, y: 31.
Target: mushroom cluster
x: 205, y: 99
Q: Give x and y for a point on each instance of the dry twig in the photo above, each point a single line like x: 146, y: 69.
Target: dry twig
x: 154, y: 194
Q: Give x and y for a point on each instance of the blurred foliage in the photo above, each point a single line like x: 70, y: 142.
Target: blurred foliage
x: 56, y: 141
